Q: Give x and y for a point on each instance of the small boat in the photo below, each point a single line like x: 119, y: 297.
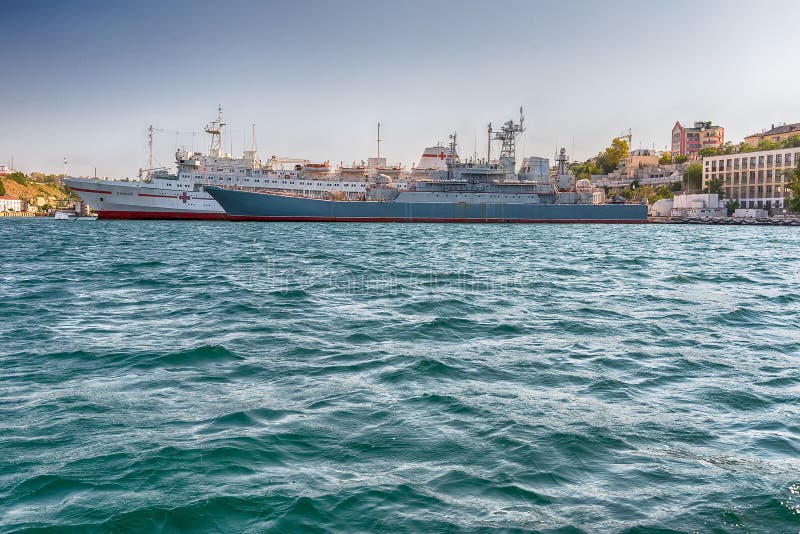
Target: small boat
x: 317, y: 168
x: 64, y: 215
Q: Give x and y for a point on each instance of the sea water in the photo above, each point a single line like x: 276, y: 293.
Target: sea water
x: 246, y: 377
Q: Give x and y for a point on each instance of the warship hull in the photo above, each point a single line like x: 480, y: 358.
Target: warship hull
x: 253, y: 206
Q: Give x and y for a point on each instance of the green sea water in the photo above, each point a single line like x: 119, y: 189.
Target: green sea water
x: 245, y: 377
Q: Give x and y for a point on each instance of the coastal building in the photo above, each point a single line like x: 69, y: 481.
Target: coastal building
x: 689, y: 141
x: 754, y: 179
x: 9, y: 203
x: 637, y: 160
x: 641, y: 165
x: 775, y: 133
x: 706, y: 205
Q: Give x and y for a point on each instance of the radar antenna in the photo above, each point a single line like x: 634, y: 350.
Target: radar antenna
x: 215, y: 130
x: 451, y: 156
x: 507, y: 136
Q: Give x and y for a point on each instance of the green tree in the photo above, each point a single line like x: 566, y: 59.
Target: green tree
x: 676, y: 186
x: 791, y: 141
x: 794, y: 187
x: 18, y: 177
x: 680, y: 158
x: 609, y: 159
x: 732, y: 206
x: 665, y: 159
x: 2, y: 188
x: 714, y: 186
x: 708, y: 152
x: 766, y: 144
x: 693, y: 176
x: 663, y: 192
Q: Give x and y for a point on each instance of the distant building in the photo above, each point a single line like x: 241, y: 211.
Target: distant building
x: 698, y: 206
x: 641, y: 165
x: 775, y: 133
x: 8, y: 203
x: 636, y: 160
x: 689, y: 141
x: 755, y: 179
x: 4, y: 170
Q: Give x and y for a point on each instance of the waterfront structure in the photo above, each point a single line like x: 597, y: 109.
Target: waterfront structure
x: 754, y: 179
x: 9, y: 203
x: 750, y: 213
x: 775, y: 134
x: 689, y: 141
x: 698, y: 206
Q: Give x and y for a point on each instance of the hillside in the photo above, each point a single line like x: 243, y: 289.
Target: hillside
x: 30, y: 188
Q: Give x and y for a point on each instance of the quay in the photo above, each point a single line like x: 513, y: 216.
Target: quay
x: 738, y: 221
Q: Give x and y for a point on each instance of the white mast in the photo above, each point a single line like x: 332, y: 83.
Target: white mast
x: 215, y: 130
x: 150, y: 147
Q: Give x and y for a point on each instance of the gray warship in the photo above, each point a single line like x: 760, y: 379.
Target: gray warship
x: 478, y: 190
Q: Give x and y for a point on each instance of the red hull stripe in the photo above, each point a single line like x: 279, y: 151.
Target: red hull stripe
x: 156, y: 196
x: 91, y: 190
x: 429, y: 220
x: 162, y: 215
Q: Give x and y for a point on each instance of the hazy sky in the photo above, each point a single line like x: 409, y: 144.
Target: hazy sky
x: 85, y: 79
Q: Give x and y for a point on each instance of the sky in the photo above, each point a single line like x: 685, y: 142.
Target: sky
x: 83, y: 80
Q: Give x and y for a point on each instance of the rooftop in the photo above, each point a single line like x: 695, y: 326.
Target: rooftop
x: 782, y: 129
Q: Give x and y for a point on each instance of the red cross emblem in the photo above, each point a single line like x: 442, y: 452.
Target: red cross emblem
x: 184, y: 197
x: 442, y: 155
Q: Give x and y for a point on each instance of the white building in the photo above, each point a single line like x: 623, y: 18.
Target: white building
x: 8, y: 203
x: 698, y: 206
x: 755, y: 179
x: 4, y: 170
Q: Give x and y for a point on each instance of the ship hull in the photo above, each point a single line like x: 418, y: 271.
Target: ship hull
x: 248, y: 206
x: 112, y: 199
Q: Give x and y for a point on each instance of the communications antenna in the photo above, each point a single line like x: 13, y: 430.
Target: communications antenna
x: 215, y: 130
x: 379, y: 140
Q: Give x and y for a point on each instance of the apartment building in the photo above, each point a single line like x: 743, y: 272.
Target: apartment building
x: 775, y: 133
x: 755, y: 179
x: 689, y: 141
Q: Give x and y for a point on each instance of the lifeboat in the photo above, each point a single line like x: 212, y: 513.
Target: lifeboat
x: 390, y: 170
x: 353, y: 169
x: 317, y: 168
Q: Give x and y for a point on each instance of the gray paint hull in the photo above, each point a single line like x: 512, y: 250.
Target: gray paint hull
x: 243, y: 205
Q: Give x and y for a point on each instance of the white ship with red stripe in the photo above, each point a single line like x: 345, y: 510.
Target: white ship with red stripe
x: 181, y: 196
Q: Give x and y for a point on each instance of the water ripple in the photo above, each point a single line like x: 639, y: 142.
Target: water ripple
x: 398, y: 378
